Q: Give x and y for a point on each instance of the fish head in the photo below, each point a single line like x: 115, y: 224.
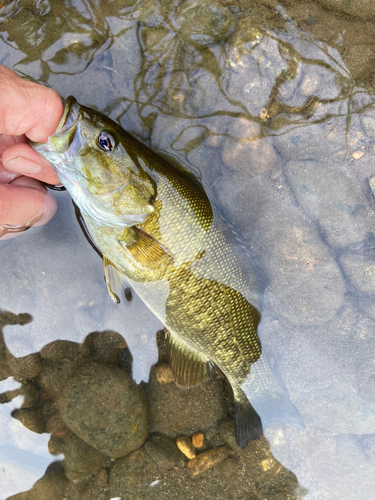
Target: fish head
x: 93, y: 158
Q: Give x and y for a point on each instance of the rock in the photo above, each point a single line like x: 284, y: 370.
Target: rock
x: 26, y: 367
x: 365, y: 9
x: 56, y: 425
x: 30, y: 394
x: 341, y: 397
x: 30, y: 418
x: 203, y: 23
x: 206, y: 460
x: 54, y: 377
x: 368, y: 124
x: 105, y: 408
x: 198, y: 440
x: 360, y: 270
x: 164, y: 451
x: 163, y: 373
x: 308, y: 143
x: 51, y: 486
x: 186, y: 446
x: 173, y: 411
x: 246, y: 149
x: 81, y: 459
x: 226, y: 431
x: 104, y: 347
x: 306, y: 285
x: 331, y: 195
x: 339, y: 466
x: 367, y: 304
x: 60, y: 350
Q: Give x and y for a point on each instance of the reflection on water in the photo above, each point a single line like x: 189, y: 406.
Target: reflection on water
x: 274, y: 109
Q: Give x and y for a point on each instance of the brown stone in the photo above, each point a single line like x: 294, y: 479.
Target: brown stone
x: 185, y: 445
x: 198, y: 439
x: 206, y: 460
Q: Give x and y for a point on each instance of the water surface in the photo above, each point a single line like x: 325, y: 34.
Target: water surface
x: 272, y: 107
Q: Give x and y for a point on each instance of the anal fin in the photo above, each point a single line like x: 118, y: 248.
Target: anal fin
x: 188, y: 367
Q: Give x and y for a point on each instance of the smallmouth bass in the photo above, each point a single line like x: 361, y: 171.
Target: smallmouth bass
x: 159, y: 232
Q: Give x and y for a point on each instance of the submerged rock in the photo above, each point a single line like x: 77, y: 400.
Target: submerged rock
x: 174, y: 411
x: 105, y: 408
x: 331, y: 196
x: 360, y: 270
x: 80, y: 459
x: 164, y: 451
x: 305, y: 283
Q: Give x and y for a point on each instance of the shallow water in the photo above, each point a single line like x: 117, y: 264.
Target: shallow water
x: 272, y: 106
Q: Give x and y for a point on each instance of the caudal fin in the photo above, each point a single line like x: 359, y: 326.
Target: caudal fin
x: 277, y: 407
x: 247, y: 424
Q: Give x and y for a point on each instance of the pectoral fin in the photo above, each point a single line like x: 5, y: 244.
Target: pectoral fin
x: 115, y: 282
x: 188, y: 367
x: 145, y: 250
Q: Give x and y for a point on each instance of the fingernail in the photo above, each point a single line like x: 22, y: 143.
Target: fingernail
x: 23, y: 166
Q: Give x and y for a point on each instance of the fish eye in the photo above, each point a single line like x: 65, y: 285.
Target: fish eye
x: 106, y: 141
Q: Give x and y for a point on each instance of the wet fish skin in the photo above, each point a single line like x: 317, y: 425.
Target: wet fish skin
x: 158, y: 231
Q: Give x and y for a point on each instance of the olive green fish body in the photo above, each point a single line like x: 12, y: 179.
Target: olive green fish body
x: 156, y: 227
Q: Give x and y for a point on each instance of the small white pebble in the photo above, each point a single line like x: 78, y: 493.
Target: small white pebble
x: 116, y: 498
x: 155, y: 483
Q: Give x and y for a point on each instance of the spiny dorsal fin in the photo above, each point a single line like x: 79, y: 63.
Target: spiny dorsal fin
x: 188, y: 367
x: 146, y: 250
x: 115, y: 281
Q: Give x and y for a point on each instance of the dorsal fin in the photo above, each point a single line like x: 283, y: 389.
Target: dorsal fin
x: 146, y: 250
x: 188, y: 367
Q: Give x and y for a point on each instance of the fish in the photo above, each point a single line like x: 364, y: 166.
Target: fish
x: 160, y: 234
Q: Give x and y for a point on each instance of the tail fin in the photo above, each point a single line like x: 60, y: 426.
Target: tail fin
x: 277, y: 407
x: 269, y: 397
x: 247, y: 424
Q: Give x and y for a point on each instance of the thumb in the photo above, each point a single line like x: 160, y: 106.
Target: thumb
x: 27, y: 107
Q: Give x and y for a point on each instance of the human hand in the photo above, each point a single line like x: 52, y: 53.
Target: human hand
x: 27, y: 110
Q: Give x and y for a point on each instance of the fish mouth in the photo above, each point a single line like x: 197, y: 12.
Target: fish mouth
x: 70, y: 116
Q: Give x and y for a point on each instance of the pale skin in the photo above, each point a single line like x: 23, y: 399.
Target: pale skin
x: 27, y: 110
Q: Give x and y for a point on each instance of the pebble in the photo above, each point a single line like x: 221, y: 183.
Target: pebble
x: 198, y: 440
x: 163, y: 373
x: 185, y: 445
x: 163, y: 450
x: 206, y: 460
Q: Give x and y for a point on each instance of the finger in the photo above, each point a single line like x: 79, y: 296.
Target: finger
x: 25, y: 202
x: 22, y: 159
x: 28, y: 108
